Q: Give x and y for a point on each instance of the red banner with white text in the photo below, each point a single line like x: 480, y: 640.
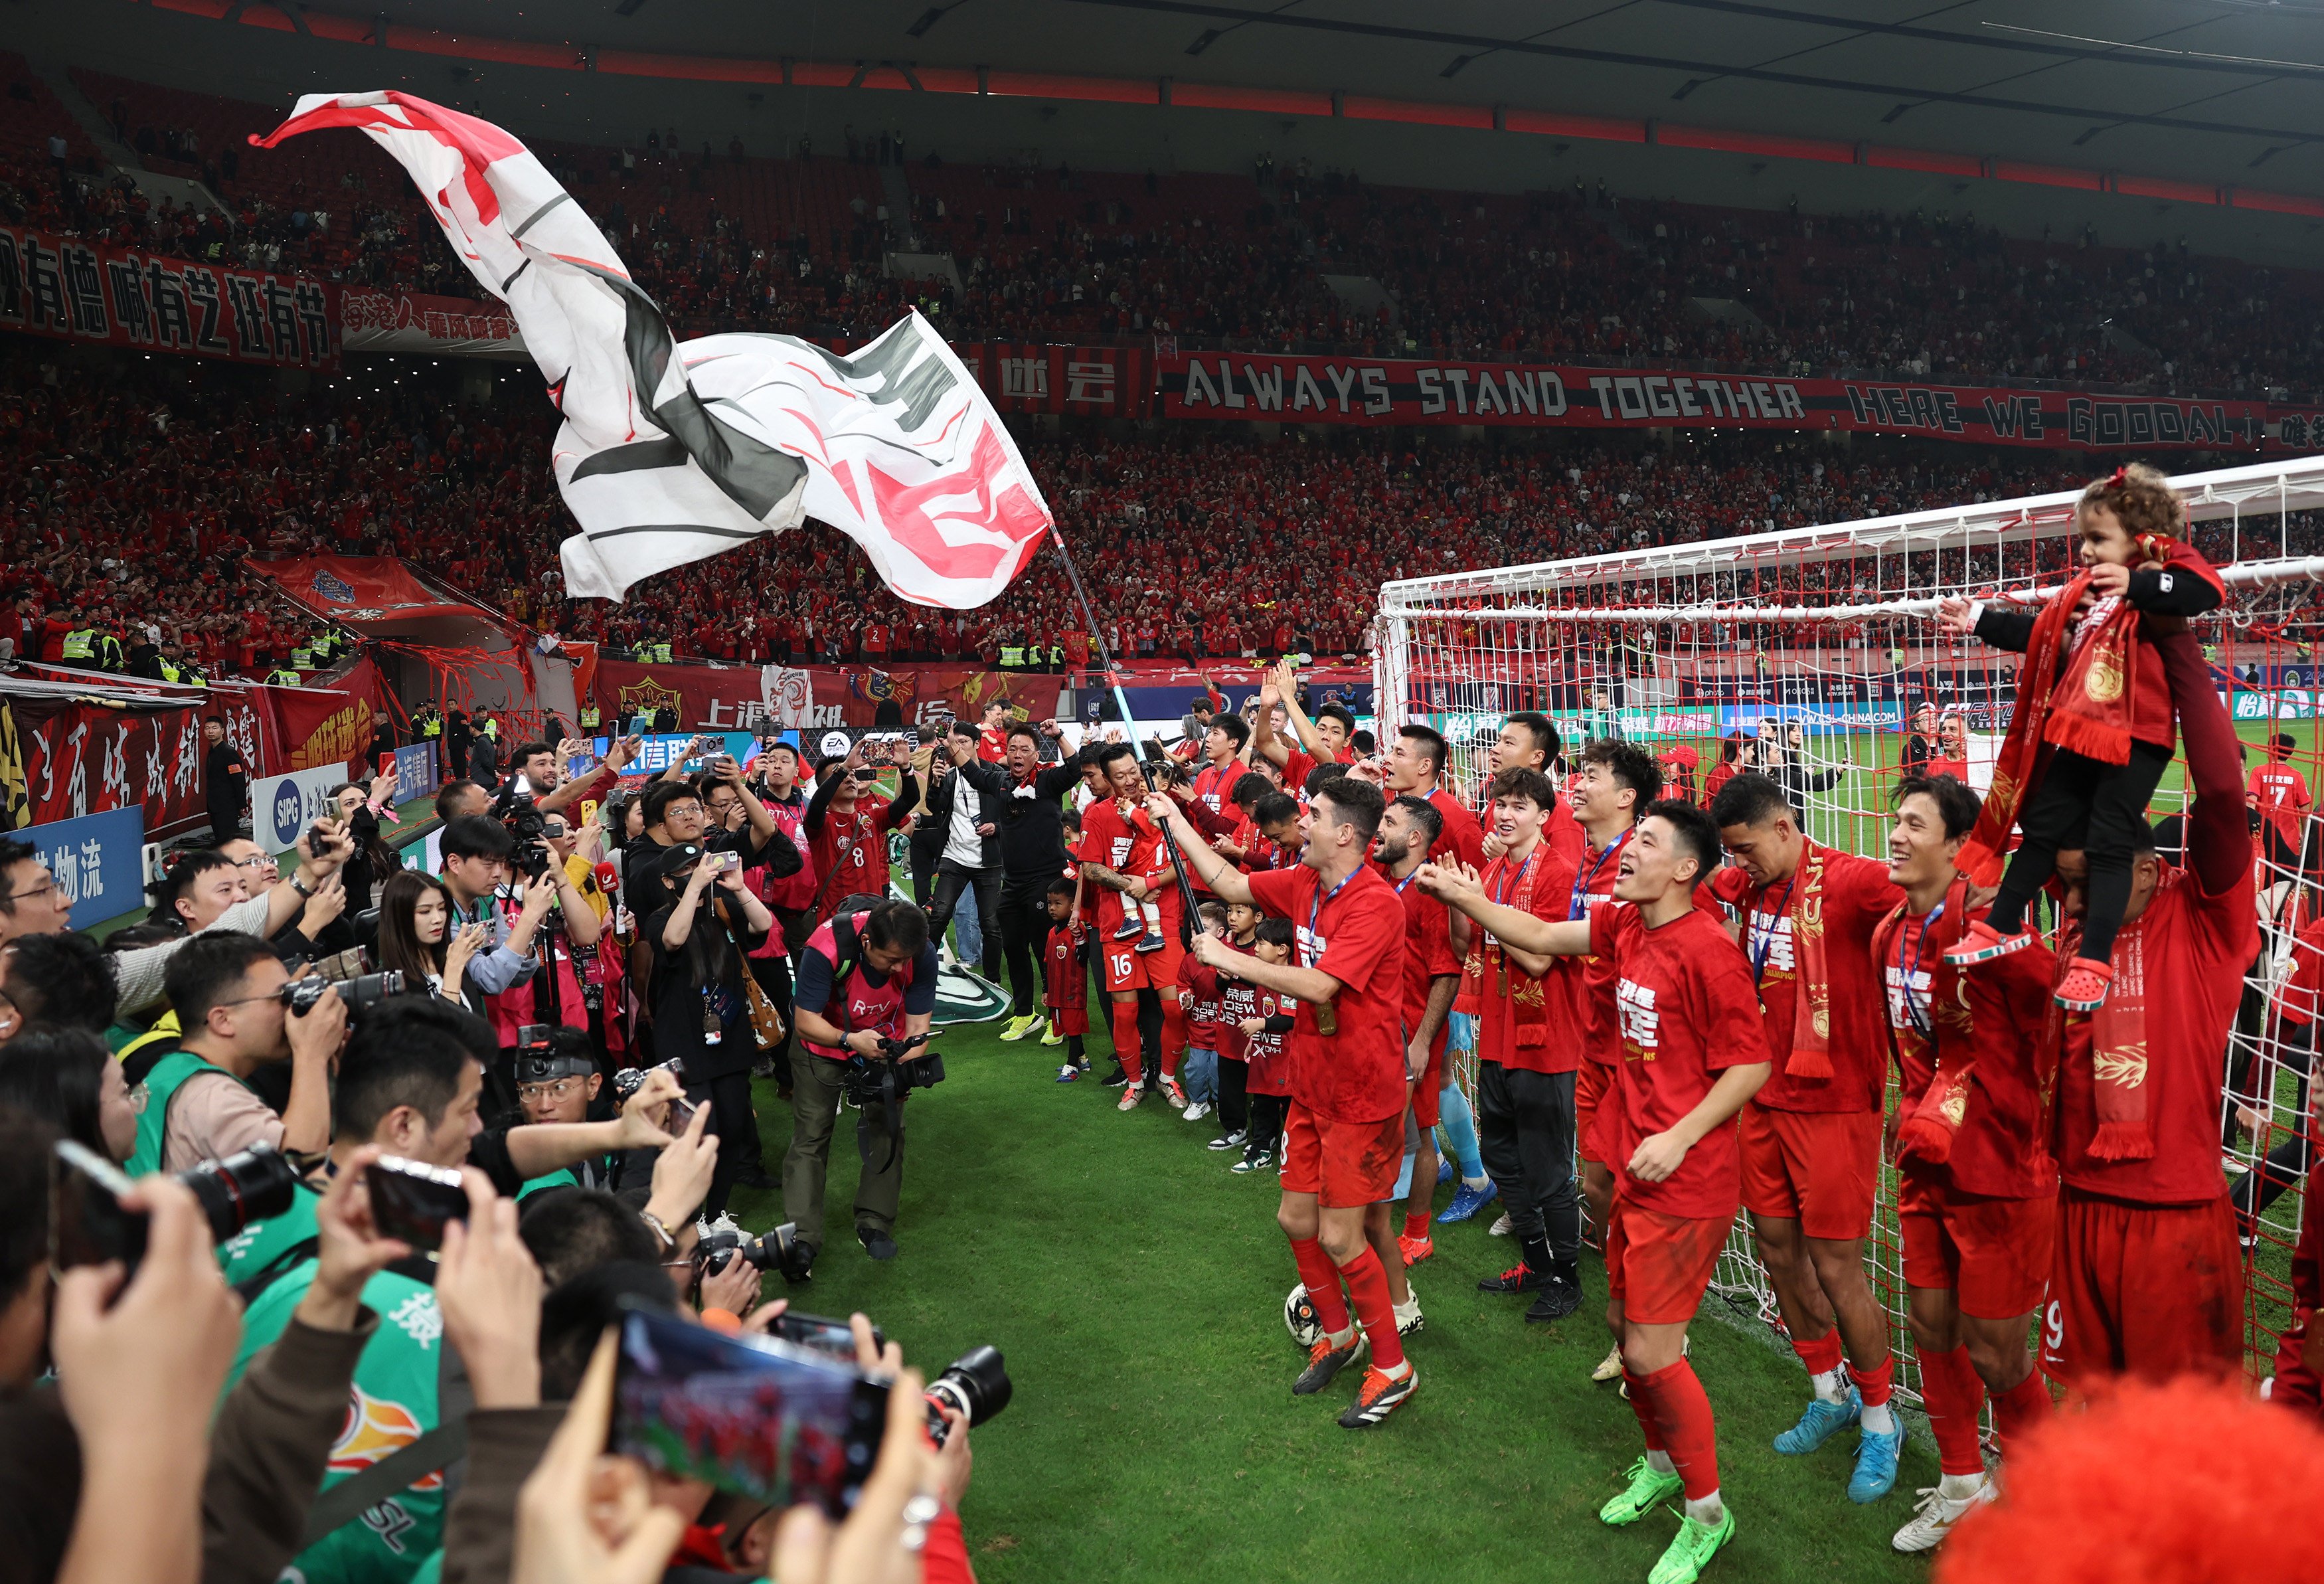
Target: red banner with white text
x: 1102, y: 382
x: 85, y: 759
x: 306, y: 728
x: 77, y: 290
x: 1388, y: 390
x: 750, y: 698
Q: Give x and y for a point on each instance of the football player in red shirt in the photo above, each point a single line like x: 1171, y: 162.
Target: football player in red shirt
x: 1122, y: 856
x: 1527, y: 1048
x: 1812, y: 1137
x: 2148, y: 1278
x: 1223, y: 762
x: 993, y: 733
x: 1408, y: 829
x: 1693, y: 1051
x: 1977, y: 1189
x: 1415, y: 768
x: 1343, y: 1139
x: 1321, y: 741
x: 1528, y: 740
x: 2280, y: 790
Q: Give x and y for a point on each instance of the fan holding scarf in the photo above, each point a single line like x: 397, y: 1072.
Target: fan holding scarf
x: 2093, y: 729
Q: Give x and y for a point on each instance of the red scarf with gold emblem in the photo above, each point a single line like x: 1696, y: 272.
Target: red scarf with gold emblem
x: 1927, y: 1133
x: 1528, y: 1009
x: 1811, y: 973
x: 2119, y: 1064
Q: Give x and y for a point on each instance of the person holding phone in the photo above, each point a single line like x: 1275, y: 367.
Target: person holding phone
x: 847, y: 825
x: 701, y: 922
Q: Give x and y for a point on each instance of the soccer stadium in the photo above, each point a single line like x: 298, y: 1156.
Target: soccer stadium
x: 1575, y: 743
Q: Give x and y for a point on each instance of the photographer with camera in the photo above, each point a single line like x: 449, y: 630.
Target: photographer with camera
x: 700, y: 922
x: 866, y: 990
x: 229, y: 992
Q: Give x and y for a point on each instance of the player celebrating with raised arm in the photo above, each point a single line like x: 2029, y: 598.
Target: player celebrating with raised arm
x: 1811, y: 1137
x: 1693, y: 1051
x: 1343, y: 1140
x: 1977, y: 1191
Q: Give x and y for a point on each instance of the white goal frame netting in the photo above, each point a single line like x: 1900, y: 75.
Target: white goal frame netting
x: 1829, y: 627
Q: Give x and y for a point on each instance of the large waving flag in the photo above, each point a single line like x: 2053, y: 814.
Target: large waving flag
x: 674, y: 450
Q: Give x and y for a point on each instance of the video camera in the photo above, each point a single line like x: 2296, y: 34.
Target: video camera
x: 522, y: 816
x: 865, y: 1081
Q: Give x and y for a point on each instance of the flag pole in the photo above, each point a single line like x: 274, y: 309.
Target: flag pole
x: 1191, y: 921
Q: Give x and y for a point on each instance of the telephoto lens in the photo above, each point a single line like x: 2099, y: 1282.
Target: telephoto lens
x: 975, y: 1384
x: 251, y: 1186
x: 717, y: 1250
x: 361, y: 993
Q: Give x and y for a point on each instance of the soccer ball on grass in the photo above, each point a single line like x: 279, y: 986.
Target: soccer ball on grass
x: 1299, y: 1317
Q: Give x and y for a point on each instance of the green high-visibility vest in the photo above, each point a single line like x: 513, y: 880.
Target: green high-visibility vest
x: 161, y: 1085
x: 282, y: 679
x: 1012, y: 656
x: 589, y: 719
x: 1056, y: 654
x: 659, y: 653
x: 302, y: 658
x: 169, y: 671
x: 432, y: 726
x: 80, y: 643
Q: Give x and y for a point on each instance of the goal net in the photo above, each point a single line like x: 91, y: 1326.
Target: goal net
x: 1814, y: 648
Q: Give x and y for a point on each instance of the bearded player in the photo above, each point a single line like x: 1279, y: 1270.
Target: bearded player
x: 1343, y: 1139
x: 1978, y: 1194
x: 1693, y: 1049
x: 1812, y: 1137
x: 1408, y: 830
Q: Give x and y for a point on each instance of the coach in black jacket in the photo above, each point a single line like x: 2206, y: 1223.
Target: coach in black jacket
x: 1023, y: 801
x: 968, y: 848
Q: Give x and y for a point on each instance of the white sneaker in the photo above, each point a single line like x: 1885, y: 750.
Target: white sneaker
x: 1500, y: 1228
x: 1408, y: 1317
x: 1610, y: 1367
x: 1937, y: 1514
x: 1198, y: 1109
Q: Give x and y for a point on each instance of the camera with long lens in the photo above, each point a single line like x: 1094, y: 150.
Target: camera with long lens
x: 975, y: 1385
x: 522, y: 816
x: 90, y: 1223
x: 361, y: 994
x: 717, y: 1250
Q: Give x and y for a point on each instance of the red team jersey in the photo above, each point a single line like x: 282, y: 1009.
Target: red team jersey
x: 2187, y: 954
x: 1065, y: 988
x: 1463, y: 839
x: 1356, y: 935
x: 1500, y: 1035
x: 1591, y: 981
x: 1270, y: 1063
x: 1685, y: 1013
x: 851, y: 853
x: 2001, y: 1149
x: 1856, y: 895
x: 1203, y: 1018
x: 1427, y: 957
x: 2282, y: 793
x: 1132, y: 847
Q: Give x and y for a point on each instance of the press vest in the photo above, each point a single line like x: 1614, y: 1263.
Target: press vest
x: 161, y: 1086
x: 859, y: 1003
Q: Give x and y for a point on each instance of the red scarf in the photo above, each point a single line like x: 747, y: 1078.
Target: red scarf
x: 1528, y: 1010
x: 1810, y: 1052
x: 2118, y: 1063
x: 1928, y: 1133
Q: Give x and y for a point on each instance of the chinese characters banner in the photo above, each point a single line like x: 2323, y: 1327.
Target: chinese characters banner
x: 77, y: 290
x: 771, y: 697
x: 1106, y: 382
x: 1391, y: 391
x: 75, y: 760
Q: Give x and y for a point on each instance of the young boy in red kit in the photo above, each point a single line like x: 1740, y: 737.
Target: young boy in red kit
x: 2092, y: 732
x: 1977, y: 1191
x: 1264, y: 1019
x: 1064, y: 992
x: 1198, y: 998
x: 1236, y: 1002
x: 1693, y: 1049
x: 1811, y: 1136
x: 1344, y: 1134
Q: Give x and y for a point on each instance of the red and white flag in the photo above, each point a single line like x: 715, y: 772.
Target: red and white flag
x: 674, y: 450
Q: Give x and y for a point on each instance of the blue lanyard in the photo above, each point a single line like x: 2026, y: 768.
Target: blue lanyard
x: 1763, y: 938
x: 1400, y: 885
x: 1583, y: 883
x: 1919, y: 1019
x: 1315, y: 907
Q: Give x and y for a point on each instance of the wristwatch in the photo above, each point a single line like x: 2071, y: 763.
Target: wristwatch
x: 300, y: 886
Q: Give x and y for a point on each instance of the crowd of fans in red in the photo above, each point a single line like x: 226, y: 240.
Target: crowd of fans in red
x: 728, y: 239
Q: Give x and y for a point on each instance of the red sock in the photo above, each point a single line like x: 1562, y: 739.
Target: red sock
x: 1873, y: 1385
x: 2020, y: 1411
x: 1322, y: 1279
x: 1174, y: 1035
x: 1416, y: 1225
x: 1952, y: 1393
x: 1375, y: 1310
x: 1643, y: 1410
x: 1125, y: 1038
x: 1820, y: 1354
x: 1683, y: 1412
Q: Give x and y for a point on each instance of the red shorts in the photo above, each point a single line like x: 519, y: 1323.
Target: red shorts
x: 2296, y: 1386
x: 1819, y: 1168
x: 1346, y: 1166
x: 1068, y: 1019
x: 1658, y: 1267
x: 1126, y: 970
x: 1994, y: 1254
x: 1429, y: 1090
x: 2147, y: 1290
x: 1592, y: 1080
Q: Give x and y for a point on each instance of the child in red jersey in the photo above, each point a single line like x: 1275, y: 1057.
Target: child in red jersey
x: 1264, y: 1017
x: 1064, y: 992
x: 1198, y: 997
x: 1237, y: 1001
x: 2093, y: 730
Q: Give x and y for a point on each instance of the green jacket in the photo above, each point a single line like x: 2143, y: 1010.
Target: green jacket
x: 160, y: 1088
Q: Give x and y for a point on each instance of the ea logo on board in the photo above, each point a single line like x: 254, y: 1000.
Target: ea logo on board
x: 836, y: 745
x: 287, y: 806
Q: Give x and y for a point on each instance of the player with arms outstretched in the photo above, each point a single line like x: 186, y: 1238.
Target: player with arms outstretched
x: 1693, y: 1051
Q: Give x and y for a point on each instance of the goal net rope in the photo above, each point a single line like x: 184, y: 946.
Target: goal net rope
x: 1816, y: 648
